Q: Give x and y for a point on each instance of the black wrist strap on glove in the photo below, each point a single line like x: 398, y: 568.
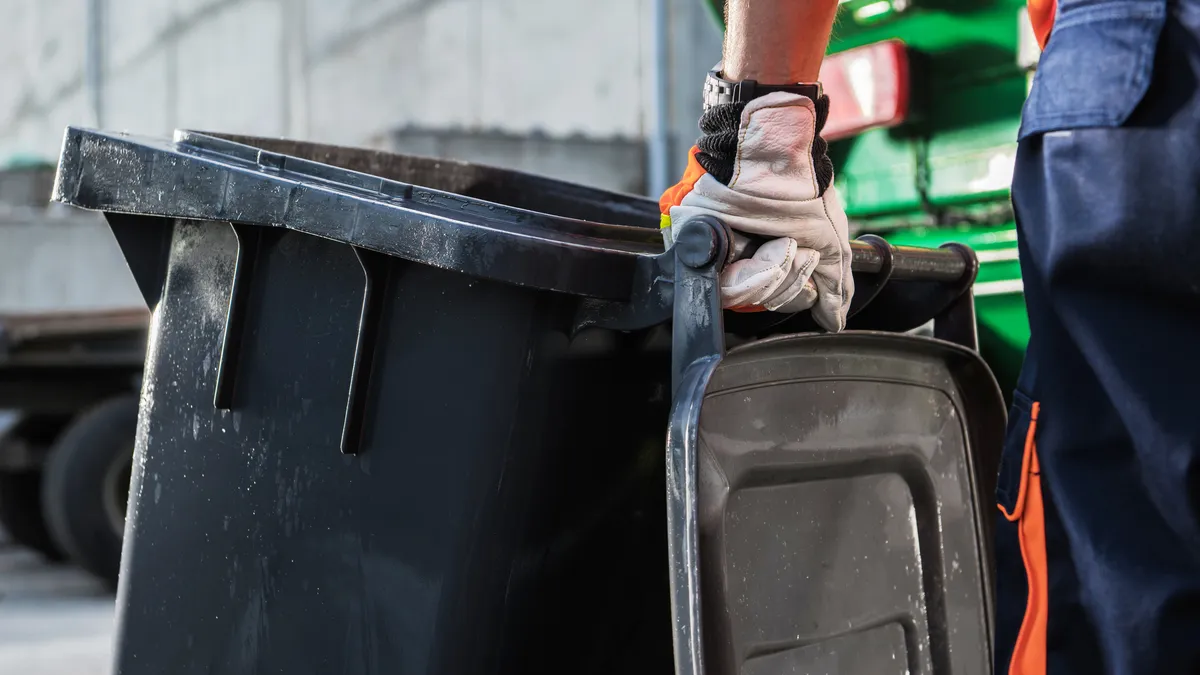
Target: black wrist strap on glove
x: 719, y: 142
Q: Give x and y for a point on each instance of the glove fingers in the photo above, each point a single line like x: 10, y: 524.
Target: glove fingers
x: 805, y: 299
x: 797, y: 279
x: 754, y: 280
x: 830, y: 312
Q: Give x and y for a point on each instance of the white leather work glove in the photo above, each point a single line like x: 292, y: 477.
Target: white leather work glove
x: 761, y: 168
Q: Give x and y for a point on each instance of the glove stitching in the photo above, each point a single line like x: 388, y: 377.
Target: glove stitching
x: 737, y: 161
x: 737, y: 165
x: 841, y: 278
x: 808, y: 154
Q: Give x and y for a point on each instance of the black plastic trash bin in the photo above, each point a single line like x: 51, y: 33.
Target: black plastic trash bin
x: 393, y: 429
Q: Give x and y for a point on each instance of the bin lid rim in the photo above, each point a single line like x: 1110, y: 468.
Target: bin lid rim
x: 206, y: 178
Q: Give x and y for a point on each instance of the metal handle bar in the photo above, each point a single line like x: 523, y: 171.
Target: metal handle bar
x: 908, y: 262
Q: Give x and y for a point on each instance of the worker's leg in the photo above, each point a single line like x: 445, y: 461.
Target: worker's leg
x: 1098, y: 543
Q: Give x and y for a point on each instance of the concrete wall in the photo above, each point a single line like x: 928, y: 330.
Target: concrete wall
x: 608, y: 164
x: 62, y: 262
x: 342, y: 70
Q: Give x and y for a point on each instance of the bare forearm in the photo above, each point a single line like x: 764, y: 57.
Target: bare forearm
x: 777, y: 41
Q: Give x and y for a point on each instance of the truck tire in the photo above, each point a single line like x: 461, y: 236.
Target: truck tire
x: 86, y: 485
x: 21, y: 513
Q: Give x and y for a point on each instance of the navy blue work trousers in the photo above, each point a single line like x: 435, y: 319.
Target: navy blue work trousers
x: 1098, y: 539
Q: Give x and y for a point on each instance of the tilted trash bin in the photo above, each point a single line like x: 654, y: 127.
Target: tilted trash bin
x: 408, y: 416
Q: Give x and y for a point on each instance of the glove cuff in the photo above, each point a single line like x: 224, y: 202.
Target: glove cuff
x: 718, y: 144
x: 719, y: 140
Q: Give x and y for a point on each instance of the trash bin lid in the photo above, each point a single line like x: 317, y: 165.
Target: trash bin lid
x: 199, y: 176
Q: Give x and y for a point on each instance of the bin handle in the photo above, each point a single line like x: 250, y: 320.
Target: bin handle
x: 908, y: 263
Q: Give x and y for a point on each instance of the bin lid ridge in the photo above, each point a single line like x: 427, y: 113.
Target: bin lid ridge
x: 350, y: 180
x: 195, y: 176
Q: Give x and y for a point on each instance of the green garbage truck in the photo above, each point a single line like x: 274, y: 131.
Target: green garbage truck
x: 926, y: 99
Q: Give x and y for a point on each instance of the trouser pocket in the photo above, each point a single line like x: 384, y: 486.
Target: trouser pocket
x: 1022, y: 578
x: 1117, y: 40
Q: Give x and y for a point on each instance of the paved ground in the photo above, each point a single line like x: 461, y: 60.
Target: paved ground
x: 54, y: 619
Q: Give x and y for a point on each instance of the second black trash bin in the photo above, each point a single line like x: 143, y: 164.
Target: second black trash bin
x: 506, y: 490
x: 389, y: 429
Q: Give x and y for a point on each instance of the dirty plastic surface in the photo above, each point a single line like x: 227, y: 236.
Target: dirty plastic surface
x: 477, y: 531
x: 839, y: 494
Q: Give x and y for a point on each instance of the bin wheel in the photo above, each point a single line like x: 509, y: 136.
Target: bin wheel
x: 21, y: 513
x: 86, y: 485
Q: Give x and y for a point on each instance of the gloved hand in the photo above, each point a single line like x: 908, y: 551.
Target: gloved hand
x: 761, y: 167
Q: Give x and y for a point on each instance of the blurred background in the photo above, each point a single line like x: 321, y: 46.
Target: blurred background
x: 599, y: 92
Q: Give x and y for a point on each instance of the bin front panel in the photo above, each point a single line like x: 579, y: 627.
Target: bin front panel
x: 504, y: 514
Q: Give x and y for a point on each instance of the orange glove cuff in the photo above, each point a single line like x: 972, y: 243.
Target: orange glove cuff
x: 675, y: 194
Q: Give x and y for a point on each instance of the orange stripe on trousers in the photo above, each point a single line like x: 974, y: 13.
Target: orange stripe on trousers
x: 1029, y: 654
